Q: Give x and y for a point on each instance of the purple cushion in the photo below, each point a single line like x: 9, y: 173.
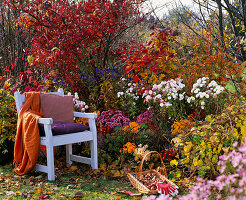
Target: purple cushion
x: 60, y: 128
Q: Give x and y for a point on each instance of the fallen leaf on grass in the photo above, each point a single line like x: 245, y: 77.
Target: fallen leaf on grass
x: 95, y: 184
x: 78, y: 195
x: 2, y: 192
x: 73, y: 168
x: 44, y: 197
x: 38, y: 191
x: 117, y: 174
x: 103, y: 166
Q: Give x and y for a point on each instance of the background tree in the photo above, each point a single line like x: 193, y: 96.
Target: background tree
x: 13, y: 41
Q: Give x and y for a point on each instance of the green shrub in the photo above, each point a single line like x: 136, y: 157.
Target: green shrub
x: 202, y: 146
x: 8, y: 121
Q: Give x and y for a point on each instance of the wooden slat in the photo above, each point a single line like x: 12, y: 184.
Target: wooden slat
x: 41, y: 168
x: 72, y: 138
x: 80, y: 159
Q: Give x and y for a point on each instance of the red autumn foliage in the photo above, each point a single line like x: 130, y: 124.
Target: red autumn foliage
x: 153, y: 57
x: 74, y: 36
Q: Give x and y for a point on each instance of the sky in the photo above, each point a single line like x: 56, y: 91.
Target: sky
x: 162, y: 6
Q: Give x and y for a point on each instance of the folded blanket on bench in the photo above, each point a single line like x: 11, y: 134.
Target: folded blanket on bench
x: 27, y: 141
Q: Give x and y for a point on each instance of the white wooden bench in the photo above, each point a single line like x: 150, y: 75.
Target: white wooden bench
x: 50, y: 141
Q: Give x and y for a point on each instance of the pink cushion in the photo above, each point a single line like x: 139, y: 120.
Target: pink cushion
x: 58, y: 107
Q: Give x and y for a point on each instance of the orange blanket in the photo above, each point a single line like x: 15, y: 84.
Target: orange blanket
x: 27, y: 141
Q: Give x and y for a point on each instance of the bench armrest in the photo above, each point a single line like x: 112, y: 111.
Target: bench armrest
x: 45, y: 121
x: 85, y: 115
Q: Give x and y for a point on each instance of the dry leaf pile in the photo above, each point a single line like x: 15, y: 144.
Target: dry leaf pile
x: 150, y: 180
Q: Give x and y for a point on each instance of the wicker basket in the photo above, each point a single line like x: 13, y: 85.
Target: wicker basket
x: 140, y: 186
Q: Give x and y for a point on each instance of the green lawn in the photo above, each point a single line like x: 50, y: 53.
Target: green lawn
x: 69, y: 184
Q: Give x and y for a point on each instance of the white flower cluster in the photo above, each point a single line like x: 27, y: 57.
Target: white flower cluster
x: 202, y: 90
x: 165, y: 92
x: 77, y: 103
x: 130, y: 91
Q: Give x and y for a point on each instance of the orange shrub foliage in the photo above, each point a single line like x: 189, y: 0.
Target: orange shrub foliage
x: 182, y: 126
x: 207, y: 58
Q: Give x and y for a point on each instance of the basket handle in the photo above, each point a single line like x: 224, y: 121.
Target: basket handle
x: 141, y: 164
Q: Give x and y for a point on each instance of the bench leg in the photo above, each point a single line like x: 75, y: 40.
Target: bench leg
x: 94, y: 158
x: 50, y: 163
x: 68, y: 153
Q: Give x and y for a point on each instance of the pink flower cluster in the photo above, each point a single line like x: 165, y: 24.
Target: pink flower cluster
x: 113, y: 118
x: 230, y: 185
x: 144, y: 117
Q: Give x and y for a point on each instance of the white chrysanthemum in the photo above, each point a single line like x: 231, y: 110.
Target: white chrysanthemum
x: 145, y: 93
x: 181, y: 97
x: 202, y: 94
x: 196, y: 90
x: 159, y: 87
x: 212, y: 84
x: 154, y: 87
x: 148, y: 97
x: 199, y: 80
x: 174, y: 95
x: 163, y: 83
x: 168, y: 104
x: 76, y: 95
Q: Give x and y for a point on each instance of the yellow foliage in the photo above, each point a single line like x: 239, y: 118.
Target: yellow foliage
x: 188, y: 147
x: 243, y: 132
x: 174, y: 162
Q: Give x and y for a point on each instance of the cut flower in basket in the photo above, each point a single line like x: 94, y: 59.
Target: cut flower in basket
x: 140, y: 152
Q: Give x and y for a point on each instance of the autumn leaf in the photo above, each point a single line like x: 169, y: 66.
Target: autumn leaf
x: 174, y: 162
x: 73, y: 168
x: 117, y: 174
